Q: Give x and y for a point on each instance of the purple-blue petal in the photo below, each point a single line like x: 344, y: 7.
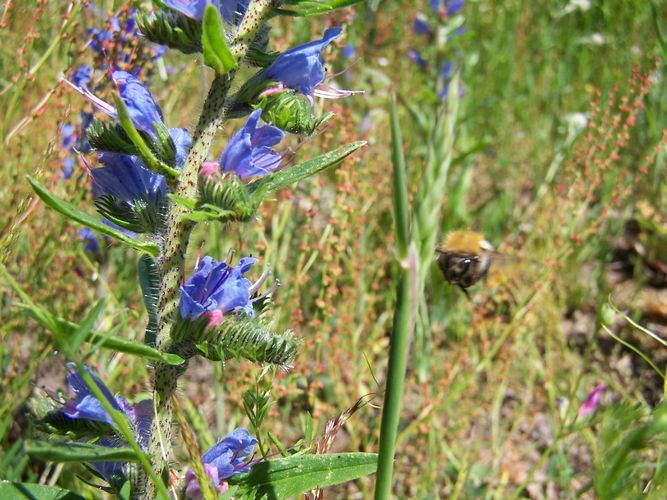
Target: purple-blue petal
x: 232, y: 10
x: 248, y: 152
x: 214, y: 286
x: 301, y: 68
x: 231, y: 454
x: 420, y: 26
x: 139, y: 102
x: 182, y: 141
x: 125, y: 177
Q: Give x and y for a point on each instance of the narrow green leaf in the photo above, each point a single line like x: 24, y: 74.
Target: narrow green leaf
x: 214, y: 46
x: 189, y: 203
x: 291, y: 476
x: 21, y: 491
x: 400, y: 187
x: 68, y: 451
x: 84, y: 330
x: 303, y: 8
x: 63, y: 330
x: 70, y: 211
x: 150, y: 160
x: 283, y: 178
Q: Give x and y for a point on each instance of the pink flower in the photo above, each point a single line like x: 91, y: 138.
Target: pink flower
x: 592, y: 400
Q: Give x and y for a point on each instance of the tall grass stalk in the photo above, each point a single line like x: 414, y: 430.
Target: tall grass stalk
x: 427, y: 208
x: 403, y: 316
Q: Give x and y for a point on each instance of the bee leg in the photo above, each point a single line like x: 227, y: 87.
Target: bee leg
x: 466, y: 292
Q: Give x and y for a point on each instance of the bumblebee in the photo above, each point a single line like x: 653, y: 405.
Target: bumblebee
x: 464, y: 258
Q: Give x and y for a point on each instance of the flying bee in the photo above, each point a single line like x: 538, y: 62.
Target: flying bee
x: 464, y: 258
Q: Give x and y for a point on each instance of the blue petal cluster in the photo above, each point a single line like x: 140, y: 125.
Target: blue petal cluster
x: 248, y: 152
x: 86, y: 406
x: 301, y: 68
x: 450, y: 7
x: 125, y: 177
x: 229, y: 456
x: 215, y: 286
x: 232, y: 10
x: 141, y: 107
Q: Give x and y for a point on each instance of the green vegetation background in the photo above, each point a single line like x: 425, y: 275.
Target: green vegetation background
x: 494, y: 384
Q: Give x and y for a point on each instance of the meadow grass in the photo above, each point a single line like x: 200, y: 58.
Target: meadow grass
x: 494, y: 387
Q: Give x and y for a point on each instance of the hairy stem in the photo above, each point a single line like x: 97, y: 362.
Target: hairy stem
x: 172, y: 259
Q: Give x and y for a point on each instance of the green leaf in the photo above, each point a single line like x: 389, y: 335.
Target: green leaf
x: 63, y: 331
x: 188, y: 203
x: 303, y: 8
x: 68, y: 451
x: 120, y: 344
x: 292, y: 476
x: 147, y: 155
x: 84, y: 331
x: 21, y: 491
x: 216, y: 52
x: 283, y: 178
x: 70, y: 211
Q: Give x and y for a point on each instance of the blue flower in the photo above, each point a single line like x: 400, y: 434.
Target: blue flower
x: 349, y: 51
x: 86, y: 406
x: 217, y: 287
x: 420, y: 25
x: 228, y: 457
x: 67, y: 131
x: 302, y: 68
x: 449, y: 7
x: 126, y: 177
x: 81, y: 77
x: 417, y: 58
x: 139, y: 102
x: 248, y: 152
x: 90, y: 240
x: 68, y: 168
x: 232, y: 10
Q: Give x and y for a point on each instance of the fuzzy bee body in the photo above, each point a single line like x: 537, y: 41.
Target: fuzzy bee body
x: 464, y: 258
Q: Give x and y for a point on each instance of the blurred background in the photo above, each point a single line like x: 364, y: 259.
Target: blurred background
x: 559, y: 161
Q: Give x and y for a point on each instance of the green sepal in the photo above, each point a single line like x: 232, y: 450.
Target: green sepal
x: 149, y: 280
x: 14, y: 490
x: 151, y: 161
x: 172, y: 29
x: 292, y: 476
x: 68, y: 451
x: 189, y: 203
x: 104, y: 136
x: 283, y: 178
x: 56, y: 422
x: 249, y: 338
x: 71, y: 212
x: 216, y: 53
x: 144, y: 215
x: 291, y: 112
x: 303, y: 8
x: 228, y: 195
x: 258, y: 56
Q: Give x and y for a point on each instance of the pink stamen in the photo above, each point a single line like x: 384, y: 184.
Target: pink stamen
x: 273, y: 90
x: 209, y: 168
x: 103, y: 106
x: 214, y: 318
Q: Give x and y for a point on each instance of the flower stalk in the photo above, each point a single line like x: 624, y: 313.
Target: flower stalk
x: 179, y: 228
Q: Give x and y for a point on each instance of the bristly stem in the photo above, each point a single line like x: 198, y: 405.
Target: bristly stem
x: 172, y: 259
x: 403, y: 318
